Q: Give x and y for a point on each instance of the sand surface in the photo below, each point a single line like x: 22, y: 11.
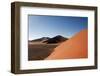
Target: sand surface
x: 75, y: 47
x: 39, y: 51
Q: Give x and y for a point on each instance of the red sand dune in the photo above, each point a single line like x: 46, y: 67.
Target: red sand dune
x: 76, y: 47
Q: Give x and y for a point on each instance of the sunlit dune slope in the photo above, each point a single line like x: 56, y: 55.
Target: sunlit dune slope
x: 75, y: 47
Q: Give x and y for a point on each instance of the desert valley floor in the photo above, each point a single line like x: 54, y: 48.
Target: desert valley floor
x: 39, y: 51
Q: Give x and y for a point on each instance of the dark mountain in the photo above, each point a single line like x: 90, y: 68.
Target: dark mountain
x: 56, y: 39
x: 40, y: 39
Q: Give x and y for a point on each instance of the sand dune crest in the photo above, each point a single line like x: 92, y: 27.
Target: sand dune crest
x: 76, y: 47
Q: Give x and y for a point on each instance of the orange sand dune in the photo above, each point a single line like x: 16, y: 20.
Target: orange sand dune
x: 76, y: 47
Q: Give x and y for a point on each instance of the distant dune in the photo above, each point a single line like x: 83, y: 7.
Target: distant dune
x: 75, y: 47
x: 40, y: 39
x: 56, y: 39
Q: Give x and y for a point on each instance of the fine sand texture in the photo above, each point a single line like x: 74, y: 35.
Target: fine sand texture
x: 75, y: 47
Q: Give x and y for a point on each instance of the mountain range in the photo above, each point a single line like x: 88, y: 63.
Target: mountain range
x: 48, y: 40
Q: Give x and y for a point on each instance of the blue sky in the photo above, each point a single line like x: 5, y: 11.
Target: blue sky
x: 50, y: 26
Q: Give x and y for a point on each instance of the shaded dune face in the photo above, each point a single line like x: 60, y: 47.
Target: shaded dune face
x: 75, y: 47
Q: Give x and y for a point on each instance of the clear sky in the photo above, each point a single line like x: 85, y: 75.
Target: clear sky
x: 50, y: 26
